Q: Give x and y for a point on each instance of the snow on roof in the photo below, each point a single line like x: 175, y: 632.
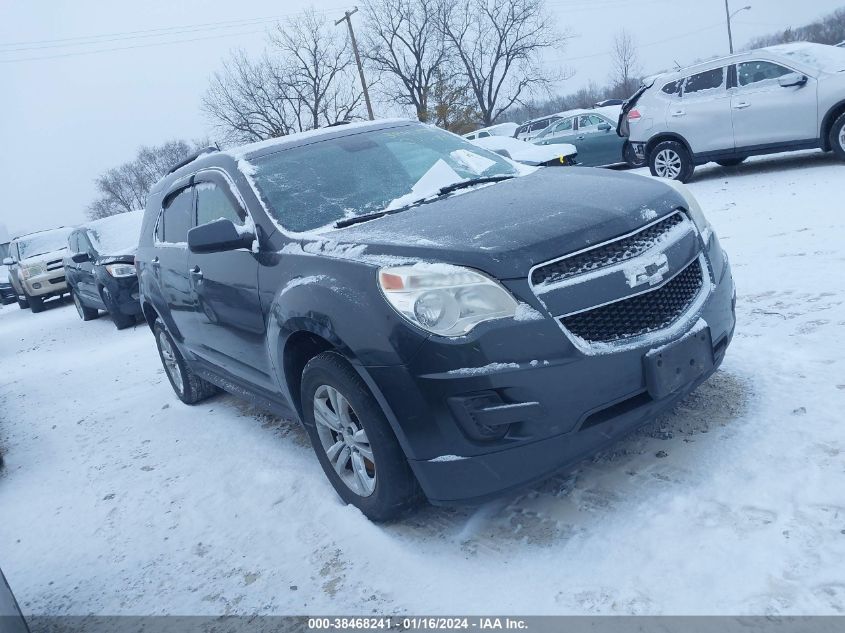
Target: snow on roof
x: 830, y: 59
x: 116, y: 234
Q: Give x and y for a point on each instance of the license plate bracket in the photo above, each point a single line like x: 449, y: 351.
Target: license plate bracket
x: 670, y: 367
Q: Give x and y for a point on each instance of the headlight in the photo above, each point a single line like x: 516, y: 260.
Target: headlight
x: 445, y: 299
x: 32, y: 271
x: 121, y: 270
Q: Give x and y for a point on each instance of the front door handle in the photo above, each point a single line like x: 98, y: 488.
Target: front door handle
x: 679, y: 113
x: 155, y: 262
x: 196, y: 273
x: 581, y: 138
x: 742, y: 105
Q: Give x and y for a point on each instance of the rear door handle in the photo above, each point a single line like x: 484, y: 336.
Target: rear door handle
x: 742, y: 105
x: 581, y: 138
x: 679, y: 113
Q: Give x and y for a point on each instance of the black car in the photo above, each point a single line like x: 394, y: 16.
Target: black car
x: 443, y: 321
x: 7, y: 291
x: 100, y: 268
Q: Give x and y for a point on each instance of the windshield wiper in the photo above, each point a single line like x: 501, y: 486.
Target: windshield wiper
x: 463, y: 184
x: 376, y: 214
x: 443, y: 191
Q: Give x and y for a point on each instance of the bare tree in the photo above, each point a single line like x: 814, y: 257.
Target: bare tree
x: 124, y: 188
x: 403, y: 43
x: 303, y: 81
x: 626, y: 69
x: 320, y: 84
x: 498, y: 44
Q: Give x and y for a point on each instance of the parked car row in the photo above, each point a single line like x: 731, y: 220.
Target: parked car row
x: 781, y: 98
x: 590, y: 131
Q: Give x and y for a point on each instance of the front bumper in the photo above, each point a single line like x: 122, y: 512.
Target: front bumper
x: 46, y: 284
x: 559, y: 403
x: 122, y: 294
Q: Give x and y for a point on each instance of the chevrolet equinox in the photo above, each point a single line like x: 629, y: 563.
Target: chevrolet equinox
x: 444, y: 322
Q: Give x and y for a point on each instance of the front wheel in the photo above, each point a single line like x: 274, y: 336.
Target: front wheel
x: 36, y: 304
x: 189, y: 387
x: 354, y: 442
x: 23, y: 304
x: 121, y: 321
x: 837, y: 137
x: 670, y: 159
x: 85, y: 313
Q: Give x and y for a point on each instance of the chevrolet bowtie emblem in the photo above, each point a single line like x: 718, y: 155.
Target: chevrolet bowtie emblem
x: 650, y: 273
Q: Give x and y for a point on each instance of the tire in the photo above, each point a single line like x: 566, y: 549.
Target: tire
x: 36, y: 304
x: 630, y: 156
x: 367, y: 443
x: 670, y: 159
x: 85, y: 313
x: 837, y: 137
x: 23, y: 304
x: 189, y: 387
x: 731, y: 162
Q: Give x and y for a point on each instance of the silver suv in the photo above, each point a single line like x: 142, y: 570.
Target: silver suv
x: 773, y: 99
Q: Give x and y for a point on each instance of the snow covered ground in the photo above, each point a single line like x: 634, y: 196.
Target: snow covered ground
x: 116, y: 498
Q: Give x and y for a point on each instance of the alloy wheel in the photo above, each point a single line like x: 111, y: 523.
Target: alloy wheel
x: 345, y: 441
x: 171, y: 364
x: 668, y: 164
x: 842, y: 137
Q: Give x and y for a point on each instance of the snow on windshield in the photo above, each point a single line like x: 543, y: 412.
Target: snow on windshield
x: 41, y: 243
x: 309, y: 188
x: 116, y: 234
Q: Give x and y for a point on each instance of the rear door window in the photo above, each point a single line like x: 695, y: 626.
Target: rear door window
x: 176, y: 216
x: 709, y: 80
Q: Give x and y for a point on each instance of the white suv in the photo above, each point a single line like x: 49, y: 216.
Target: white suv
x: 773, y: 99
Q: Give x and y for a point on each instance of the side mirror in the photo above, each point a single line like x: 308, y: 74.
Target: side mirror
x: 80, y: 258
x: 220, y: 235
x: 8, y: 261
x: 792, y: 79
x: 604, y: 127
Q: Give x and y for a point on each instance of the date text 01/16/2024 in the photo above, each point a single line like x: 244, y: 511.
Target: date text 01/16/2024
x: 416, y: 623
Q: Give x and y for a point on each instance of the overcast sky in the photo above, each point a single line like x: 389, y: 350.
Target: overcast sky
x: 87, y: 107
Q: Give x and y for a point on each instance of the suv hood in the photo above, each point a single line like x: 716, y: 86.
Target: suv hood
x: 44, y: 257
x: 506, y: 228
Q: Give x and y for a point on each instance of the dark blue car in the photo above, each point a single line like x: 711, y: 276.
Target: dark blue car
x: 446, y: 323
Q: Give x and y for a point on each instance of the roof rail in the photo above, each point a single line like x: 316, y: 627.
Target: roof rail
x: 193, y: 157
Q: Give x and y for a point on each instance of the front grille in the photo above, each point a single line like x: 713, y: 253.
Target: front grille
x: 605, y: 255
x: 55, y: 264
x: 641, y: 314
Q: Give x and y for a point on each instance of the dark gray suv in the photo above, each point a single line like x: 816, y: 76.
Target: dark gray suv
x: 446, y: 323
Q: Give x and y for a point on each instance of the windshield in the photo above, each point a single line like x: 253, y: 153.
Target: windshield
x: 117, y: 234
x: 314, y: 186
x: 40, y: 243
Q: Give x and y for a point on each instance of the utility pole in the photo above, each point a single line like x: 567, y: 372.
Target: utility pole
x: 729, y: 15
x: 346, y: 17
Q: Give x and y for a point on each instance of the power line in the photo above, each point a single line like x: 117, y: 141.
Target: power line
x: 161, y: 31
x: 124, y: 48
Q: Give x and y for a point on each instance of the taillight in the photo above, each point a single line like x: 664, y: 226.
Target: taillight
x: 634, y: 114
